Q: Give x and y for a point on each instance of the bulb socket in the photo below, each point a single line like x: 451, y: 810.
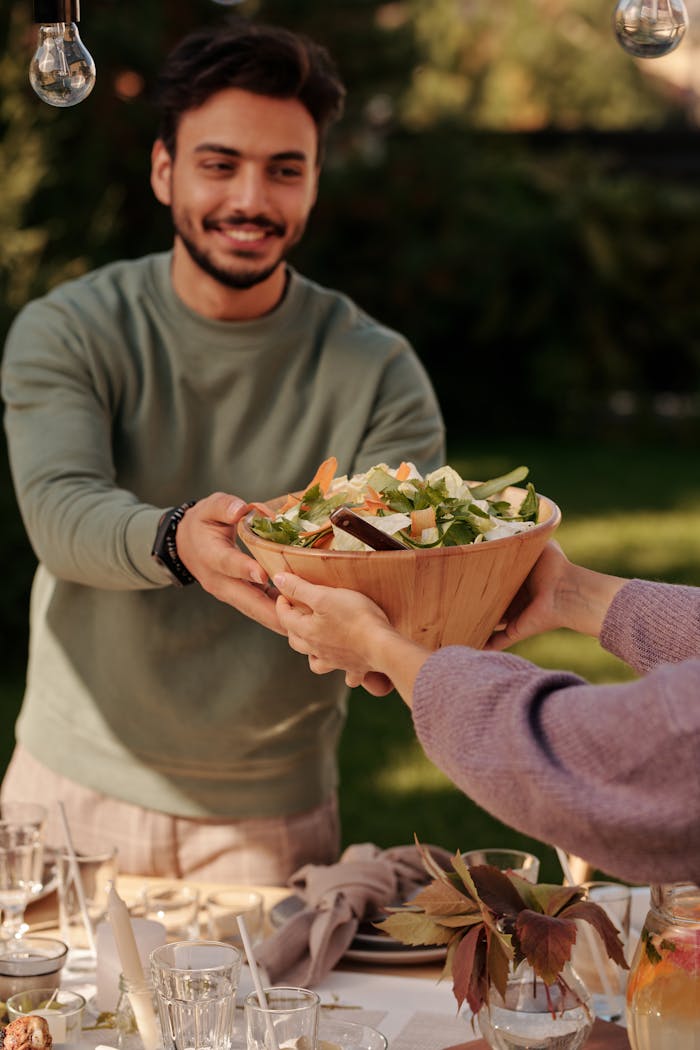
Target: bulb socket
x: 47, y: 12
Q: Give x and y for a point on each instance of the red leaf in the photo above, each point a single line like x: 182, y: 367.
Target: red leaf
x: 496, y: 890
x: 546, y: 942
x: 469, y: 974
x: 601, y: 922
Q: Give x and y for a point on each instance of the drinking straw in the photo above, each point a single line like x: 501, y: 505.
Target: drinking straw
x: 257, y: 982
x: 589, y: 935
x: 75, y: 875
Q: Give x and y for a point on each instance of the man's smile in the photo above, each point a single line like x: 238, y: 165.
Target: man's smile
x: 247, y: 236
x: 246, y: 231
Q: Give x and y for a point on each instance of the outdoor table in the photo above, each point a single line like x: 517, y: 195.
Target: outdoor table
x: 407, y: 1002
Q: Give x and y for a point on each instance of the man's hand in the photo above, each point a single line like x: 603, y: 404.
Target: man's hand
x: 206, y: 545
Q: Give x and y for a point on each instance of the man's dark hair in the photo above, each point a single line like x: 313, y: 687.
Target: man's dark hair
x: 262, y: 59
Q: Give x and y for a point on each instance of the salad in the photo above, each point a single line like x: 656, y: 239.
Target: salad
x: 438, y: 510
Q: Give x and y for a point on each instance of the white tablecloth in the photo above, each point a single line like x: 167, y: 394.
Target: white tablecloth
x: 414, y: 1013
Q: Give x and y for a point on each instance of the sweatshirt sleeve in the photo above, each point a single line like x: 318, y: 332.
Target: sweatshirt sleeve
x: 58, y: 419
x: 405, y: 422
x: 652, y: 623
x: 608, y: 772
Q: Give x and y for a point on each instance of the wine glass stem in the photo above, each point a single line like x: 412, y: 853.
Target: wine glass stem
x: 13, y: 924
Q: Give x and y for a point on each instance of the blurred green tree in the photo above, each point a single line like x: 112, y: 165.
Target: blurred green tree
x: 525, y: 64
x: 76, y: 181
x: 556, y: 277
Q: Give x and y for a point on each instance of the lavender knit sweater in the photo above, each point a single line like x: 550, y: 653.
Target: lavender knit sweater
x: 608, y: 772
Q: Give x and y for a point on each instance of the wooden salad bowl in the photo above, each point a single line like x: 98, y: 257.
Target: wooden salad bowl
x: 441, y: 596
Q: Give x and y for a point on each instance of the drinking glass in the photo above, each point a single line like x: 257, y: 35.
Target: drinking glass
x: 61, y: 1009
x: 223, y: 910
x: 195, y: 984
x: 176, y: 905
x: 289, y: 1018
x: 97, y: 872
x: 516, y: 860
x: 602, y: 976
x: 21, y: 862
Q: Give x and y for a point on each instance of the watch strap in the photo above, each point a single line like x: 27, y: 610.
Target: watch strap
x: 165, y: 544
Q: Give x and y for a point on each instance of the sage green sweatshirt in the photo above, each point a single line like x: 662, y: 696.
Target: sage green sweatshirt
x: 120, y: 402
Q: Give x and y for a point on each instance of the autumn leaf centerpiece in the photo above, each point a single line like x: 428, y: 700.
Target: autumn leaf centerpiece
x: 491, y: 922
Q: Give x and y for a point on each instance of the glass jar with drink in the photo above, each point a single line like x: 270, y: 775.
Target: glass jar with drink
x: 663, y: 991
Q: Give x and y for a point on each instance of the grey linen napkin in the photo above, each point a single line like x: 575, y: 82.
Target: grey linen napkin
x: 337, y: 897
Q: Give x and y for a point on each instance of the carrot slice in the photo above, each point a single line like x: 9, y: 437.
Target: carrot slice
x: 404, y: 469
x: 324, y: 475
x: 373, y: 504
x: 291, y: 501
x: 323, y: 541
x: 262, y: 508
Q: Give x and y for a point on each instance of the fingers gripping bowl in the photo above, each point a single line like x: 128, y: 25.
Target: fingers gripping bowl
x: 454, y: 595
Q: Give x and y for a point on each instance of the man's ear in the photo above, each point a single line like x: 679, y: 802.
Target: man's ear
x: 161, y: 172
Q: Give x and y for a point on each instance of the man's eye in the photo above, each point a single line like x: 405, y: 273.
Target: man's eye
x: 284, y: 171
x: 216, y: 166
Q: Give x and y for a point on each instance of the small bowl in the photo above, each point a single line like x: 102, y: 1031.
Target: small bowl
x: 349, y: 1035
x: 31, y: 962
x: 440, y: 596
x: 63, y: 1011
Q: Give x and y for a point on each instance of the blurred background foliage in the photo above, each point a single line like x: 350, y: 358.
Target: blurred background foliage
x: 528, y: 190
x: 508, y: 188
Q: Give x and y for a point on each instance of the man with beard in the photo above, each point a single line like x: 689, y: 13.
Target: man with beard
x: 146, y: 403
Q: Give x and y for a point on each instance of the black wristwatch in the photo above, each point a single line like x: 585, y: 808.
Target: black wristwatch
x: 165, y: 548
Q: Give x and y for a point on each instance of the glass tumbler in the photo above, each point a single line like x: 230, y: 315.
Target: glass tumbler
x: 288, y: 1018
x: 195, y: 984
x: 519, y: 861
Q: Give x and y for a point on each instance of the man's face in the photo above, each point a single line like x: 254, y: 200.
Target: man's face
x: 241, y: 184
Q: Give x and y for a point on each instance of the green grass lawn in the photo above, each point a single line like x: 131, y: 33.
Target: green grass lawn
x: 632, y: 511
x: 626, y: 510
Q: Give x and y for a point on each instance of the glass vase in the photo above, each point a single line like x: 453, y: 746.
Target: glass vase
x: 536, y: 1016
x: 663, y: 989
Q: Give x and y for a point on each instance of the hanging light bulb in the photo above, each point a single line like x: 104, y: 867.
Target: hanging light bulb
x: 62, y: 71
x: 650, y: 28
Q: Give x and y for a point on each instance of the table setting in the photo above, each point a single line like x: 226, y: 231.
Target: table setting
x: 315, y: 935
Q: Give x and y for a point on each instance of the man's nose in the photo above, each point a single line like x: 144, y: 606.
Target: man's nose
x: 249, y: 191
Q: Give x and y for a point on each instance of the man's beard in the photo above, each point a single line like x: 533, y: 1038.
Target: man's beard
x: 240, y: 280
